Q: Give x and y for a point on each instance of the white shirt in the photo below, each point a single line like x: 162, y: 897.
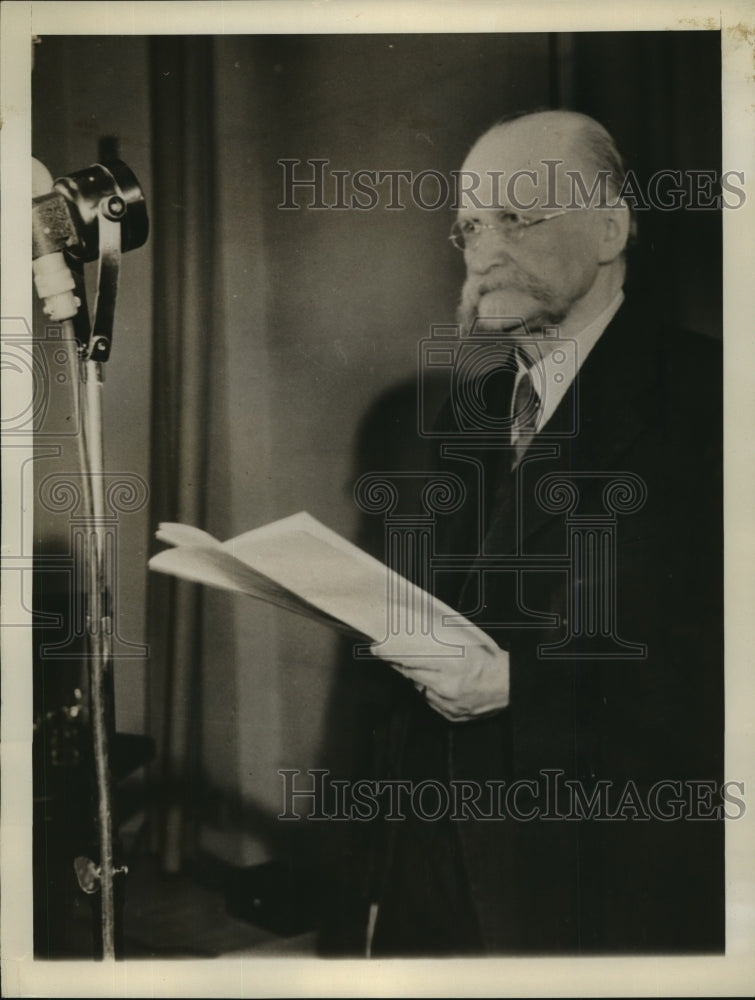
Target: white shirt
x: 552, y: 372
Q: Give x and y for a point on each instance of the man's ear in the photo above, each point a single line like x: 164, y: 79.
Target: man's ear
x: 614, y: 232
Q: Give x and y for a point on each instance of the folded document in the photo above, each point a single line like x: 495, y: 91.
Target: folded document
x: 298, y: 564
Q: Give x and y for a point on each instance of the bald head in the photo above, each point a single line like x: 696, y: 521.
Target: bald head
x: 554, y: 134
x: 551, y: 158
x: 572, y: 131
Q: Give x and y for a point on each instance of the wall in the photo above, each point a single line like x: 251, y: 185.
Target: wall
x: 322, y: 312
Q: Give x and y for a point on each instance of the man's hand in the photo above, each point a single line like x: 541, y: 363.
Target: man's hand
x: 460, y: 688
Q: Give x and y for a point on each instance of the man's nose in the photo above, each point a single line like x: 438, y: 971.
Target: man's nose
x: 486, y: 251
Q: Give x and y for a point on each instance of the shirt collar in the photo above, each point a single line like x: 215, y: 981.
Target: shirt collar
x: 556, y: 370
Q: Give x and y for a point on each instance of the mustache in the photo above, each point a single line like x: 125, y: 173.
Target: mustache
x: 501, y: 279
x: 505, y: 279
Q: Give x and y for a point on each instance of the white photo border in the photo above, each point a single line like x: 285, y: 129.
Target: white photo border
x: 732, y: 974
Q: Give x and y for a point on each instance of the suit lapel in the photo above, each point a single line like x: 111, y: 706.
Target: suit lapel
x: 613, y: 399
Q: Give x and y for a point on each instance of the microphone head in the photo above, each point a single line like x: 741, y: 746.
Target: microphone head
x: 41, y: 178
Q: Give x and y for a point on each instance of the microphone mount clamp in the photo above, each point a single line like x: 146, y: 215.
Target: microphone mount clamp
x: 97, y: 213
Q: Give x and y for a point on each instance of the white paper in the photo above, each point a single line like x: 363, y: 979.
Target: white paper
x: 300, y: 564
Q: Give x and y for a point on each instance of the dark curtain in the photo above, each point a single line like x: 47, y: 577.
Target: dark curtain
x: 183, y: 149
x: 659, y: 95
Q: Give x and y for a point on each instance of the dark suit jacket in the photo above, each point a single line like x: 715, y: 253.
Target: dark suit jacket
x: 639, y: 704
x: 648, y: 409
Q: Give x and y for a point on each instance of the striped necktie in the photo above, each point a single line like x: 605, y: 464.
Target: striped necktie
x: 524, y: 412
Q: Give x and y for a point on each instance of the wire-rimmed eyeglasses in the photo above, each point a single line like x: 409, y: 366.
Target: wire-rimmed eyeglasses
x: 508, y: 225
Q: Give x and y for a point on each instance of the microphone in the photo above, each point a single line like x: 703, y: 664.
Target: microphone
x: 52, y: 229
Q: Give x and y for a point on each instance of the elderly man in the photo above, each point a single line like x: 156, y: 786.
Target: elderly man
x: 589, y: 747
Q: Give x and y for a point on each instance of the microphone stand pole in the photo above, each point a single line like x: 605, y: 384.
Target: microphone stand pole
x: 56, y: 286
x: 99, y: 624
